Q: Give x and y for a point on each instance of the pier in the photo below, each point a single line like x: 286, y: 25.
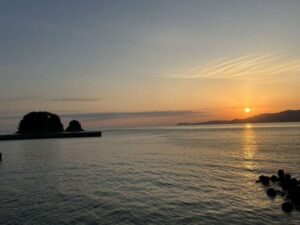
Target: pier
x: 83, y: 134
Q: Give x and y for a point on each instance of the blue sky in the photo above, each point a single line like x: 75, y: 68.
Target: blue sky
x: 87, y: 57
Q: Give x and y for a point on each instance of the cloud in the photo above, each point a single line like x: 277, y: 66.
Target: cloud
x: 74, y: 99
x: 24, y: 99
x: 6, y: 117
x: 117, y: 115
x: 250, y: 67
x: 17, y: 99
x: 129, y: 115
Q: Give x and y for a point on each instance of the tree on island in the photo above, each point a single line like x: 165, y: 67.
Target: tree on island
x: 40, y: 122
x: 74, y: 126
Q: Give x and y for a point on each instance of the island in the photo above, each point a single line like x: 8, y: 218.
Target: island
x: 284, y: 116
x: 45, y: 125
x: 74, y: 126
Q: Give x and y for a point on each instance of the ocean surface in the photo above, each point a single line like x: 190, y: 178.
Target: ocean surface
x: 168, y: 175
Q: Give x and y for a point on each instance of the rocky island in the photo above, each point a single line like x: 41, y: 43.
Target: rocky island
x: 44, y: 125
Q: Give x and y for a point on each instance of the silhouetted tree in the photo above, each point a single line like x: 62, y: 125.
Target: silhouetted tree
x: 74, y: 126
x: 37, y: 122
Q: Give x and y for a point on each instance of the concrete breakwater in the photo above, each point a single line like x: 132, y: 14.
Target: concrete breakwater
x: 51, y: 135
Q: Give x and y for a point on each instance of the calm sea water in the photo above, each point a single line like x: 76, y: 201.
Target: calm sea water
x: 176, y: 175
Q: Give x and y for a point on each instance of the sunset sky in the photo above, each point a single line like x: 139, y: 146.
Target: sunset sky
x: 148, y: 63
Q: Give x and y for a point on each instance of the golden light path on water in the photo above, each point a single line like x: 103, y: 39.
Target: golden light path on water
x: 249, y: 147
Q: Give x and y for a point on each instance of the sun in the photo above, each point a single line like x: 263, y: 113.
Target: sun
x: 247, y: 110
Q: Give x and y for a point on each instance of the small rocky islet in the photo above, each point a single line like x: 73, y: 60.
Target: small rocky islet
x: 283, y: 184
x: 42, y: 122
x: 45, y: 125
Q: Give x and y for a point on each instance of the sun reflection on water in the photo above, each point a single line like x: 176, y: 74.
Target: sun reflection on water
x: 249, y: 147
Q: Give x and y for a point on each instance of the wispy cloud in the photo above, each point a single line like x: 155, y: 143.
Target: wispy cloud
x: 25, y: 99
x: 8, y: 117
x: 17, y: 99
x: 129, y: 115
x: 117, y: 115
x: 74, y: 99
x: 253, y: 66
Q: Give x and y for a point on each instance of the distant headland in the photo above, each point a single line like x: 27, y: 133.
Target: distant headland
x: 43, y: 125
x: 284, y: 116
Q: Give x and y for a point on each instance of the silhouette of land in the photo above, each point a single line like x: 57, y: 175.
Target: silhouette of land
x: 284, y: 116
x: 40, y: 122
x: 74, y: 126
x: 44, y: 125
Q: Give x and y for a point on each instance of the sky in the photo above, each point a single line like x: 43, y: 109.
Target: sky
x: 148, y: 63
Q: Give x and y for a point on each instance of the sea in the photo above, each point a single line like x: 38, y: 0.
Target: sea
x: 164, y: 175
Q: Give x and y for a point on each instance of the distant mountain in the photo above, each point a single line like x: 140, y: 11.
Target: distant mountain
x: 285, y: 116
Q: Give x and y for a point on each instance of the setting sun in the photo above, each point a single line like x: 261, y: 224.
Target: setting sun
x: 247, y: 110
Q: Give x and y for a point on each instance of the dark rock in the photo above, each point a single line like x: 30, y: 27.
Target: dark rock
x: 290, y: 189
x: 274, y: 178
x: 265, y: 180
x: 294, y: 195
x: 271, y: 192
x: 281, y: 193
x: 39, y: 122
x: 287, y: 176
x: 293, y: 182
x: 285, y: 185
x: 280, y: 174
x: 288, y: 183
x: 287, y: 207
x: 74, y: 126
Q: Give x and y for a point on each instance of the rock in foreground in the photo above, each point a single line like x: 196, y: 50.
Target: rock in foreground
x: 290, y: 189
